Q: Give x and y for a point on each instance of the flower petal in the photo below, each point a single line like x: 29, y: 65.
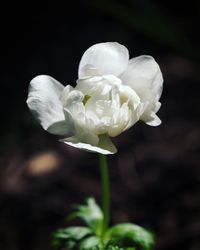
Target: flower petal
x: 44, y: 102
x: 155, y: 121
x: 61, y: 128
x: 105, y: 145
x: 103, y: 59
x: 144, y: 76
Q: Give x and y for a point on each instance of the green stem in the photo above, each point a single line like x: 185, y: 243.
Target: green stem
x: 105, y: 190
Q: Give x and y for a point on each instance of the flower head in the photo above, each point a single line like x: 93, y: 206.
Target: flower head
x: 111, y: 95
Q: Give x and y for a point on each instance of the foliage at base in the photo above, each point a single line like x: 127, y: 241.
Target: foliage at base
x: 125, y: 236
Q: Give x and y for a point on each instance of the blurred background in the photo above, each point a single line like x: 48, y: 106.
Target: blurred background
x: 155, y: 176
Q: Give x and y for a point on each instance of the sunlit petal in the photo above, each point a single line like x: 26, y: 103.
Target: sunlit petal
x: 44, y: 102
x: 144, y: 76
x: 105, y: 58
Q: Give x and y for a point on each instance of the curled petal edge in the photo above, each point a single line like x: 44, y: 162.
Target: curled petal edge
x: 105, y: 145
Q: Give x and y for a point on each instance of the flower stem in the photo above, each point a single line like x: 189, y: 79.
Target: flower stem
x: 105, y: 190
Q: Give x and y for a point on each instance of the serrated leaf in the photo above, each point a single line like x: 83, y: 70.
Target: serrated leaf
x: 91, y: 214
x: 75, y: 233
x: 130, y: 236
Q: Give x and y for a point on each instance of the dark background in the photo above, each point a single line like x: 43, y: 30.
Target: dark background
x: 155, y: 176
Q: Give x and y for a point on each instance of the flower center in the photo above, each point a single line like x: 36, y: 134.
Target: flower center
x: 85, y: 99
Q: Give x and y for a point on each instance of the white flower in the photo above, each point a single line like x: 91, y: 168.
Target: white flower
x: 111, y: 95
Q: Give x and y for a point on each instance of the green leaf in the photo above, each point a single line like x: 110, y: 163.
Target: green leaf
x: 124, y: 236
x: 70, y: 245
x: 69, y: 236
x: 91, y: 214
x: 90, y: 243
x: 75, y: 233
x: 130, y: 236
x: 114, y: 247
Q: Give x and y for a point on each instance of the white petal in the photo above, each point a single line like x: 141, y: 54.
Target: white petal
x: 61, y: 128
x: 89, y: 85
x: 98, y: 85
x: 105, y: 145
x: 90, y: 70
x: 73, y: 97
x: 85, y: 135
x: 144, y: 76
x: 44, y: 102
x: 66, y: 91
x: 155, y: 121
x: 105, y: 58
x: 74, y: 106
x: 119, y: 121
